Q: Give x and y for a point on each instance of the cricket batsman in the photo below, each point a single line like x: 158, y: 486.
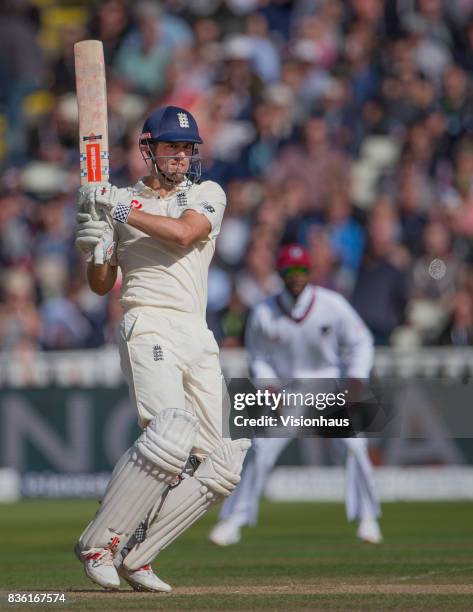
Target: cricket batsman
x: 161, y: 232
x: 305, y: 332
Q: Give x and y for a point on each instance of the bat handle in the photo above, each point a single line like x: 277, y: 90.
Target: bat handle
x: 98, y: 254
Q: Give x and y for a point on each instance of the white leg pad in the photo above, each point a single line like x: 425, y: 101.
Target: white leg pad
x: 215, y: 479
x: 142, y: 477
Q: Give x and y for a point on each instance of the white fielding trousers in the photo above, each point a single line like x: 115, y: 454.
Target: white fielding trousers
x: 360, y: 497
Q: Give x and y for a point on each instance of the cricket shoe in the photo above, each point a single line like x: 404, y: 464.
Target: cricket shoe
x: 144, y: 579
x: 225, y: 533
x: 369, y: 531
x: 99, y: 567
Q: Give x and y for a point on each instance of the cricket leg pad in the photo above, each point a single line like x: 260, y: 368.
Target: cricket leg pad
x: 216, y: 477
x: 157, y: 457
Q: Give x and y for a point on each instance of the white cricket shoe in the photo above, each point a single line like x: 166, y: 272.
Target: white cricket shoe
x: 225, y: 533
x: 369, y: 531
x: 144, y: 579
x: 99, y: 567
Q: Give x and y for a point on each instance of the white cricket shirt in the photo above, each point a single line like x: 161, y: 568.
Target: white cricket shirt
x: 164, y: 274
x: 318, y: 336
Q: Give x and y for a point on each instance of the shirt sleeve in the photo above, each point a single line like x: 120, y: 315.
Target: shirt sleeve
x: 257, y: 346
x: 211, y: 202
x: 355, y: 340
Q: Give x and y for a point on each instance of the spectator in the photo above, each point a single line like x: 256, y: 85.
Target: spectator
x: 412, y: 205
x: 273, y: 125
x: 64, y: 70
x: 19, y: 320
x: 55, y: 235
x: 380, y: 294
x: 21, y: 66
x: 456, y: 103
x: 316, y: 164
x: 15, y: 233
x: 109, y: 23
x: 259, y: 279
x: 64, y: 325
x: 232, y: 322
x: 265, y: 56
x: 235, y: 231
x: 459, y: 329
x: 325, y: 268
x: 144, y: 55
x: 436, y: 274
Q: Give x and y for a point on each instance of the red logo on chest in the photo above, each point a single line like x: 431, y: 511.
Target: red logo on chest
x: 136, y: 204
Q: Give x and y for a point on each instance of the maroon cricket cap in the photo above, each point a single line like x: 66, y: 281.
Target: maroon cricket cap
x: 293, y: 255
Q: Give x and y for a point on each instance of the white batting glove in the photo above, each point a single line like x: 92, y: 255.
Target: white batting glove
x: 114, y: 205
x: 94, y: 238
x: 89, y: 232
x: 105, y: 249
x: 86, y: 201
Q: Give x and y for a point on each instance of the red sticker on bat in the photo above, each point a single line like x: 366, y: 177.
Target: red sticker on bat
x: 94, y: 166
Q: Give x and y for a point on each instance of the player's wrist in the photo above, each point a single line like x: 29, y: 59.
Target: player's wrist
x: 91, y: 263
x: 121, y: 213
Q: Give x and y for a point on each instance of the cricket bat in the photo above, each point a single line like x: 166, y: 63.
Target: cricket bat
x: 91, y: 89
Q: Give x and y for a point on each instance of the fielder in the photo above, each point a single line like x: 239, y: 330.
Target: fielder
x: 301, y: 334
x: 161, y: 232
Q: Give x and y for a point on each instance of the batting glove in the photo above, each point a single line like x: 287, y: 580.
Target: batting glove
x: 105, y: 249
x: 86, y: 201
x: 108, y: 199
x: 89, y: 232
x: 94, y: 238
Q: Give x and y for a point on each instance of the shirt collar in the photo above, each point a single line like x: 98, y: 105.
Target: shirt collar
x: 297, y: 309
x: 151, y: 193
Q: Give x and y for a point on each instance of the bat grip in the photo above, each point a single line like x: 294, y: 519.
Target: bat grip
x: 98, y: 251
x: 98, y: 254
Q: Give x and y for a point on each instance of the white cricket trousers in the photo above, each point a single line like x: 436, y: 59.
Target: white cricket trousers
x: 170, y: 360
x: 360, y: 498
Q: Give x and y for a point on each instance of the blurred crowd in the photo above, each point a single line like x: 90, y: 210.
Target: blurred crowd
x: 346, y: 126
